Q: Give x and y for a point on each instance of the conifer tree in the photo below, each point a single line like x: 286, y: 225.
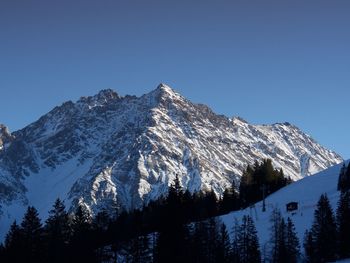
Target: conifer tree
x: 199, y: 242
x: 13, y: 244
x: 309, y: 247
x: 211, y: 203
x: 81, y: 220
x: 282, y: 252
x: 173, y: 244
x: 2, y: 253
x: 342, y: 179
x: 323, y: 230
x: 260, y: 179
x: 213, y: 239
x: 343, y: 225
x: 138, y: 250
x: 223, y: 252
x: 235, y: 253
x: 245, y: 192
x: 81, y: 245
x: 248, y: 244
x: 176, y: 189
x: 283, y: 240
x: 57, y: 232
x: 292, y: 243
x: 275, y: 236
x: 32, y: 236
x: 102, y: 221
x: 230, y: 199
x: 173, y: 238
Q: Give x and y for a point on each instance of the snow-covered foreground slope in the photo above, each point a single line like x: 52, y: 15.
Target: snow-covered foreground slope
x: 305, y: 191
x: 107, y: 150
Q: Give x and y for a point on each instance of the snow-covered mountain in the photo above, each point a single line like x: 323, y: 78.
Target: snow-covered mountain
x: 107, y: 150
x: 306, y: 192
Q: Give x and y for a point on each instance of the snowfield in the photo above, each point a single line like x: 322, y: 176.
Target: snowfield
x: 305, y: 191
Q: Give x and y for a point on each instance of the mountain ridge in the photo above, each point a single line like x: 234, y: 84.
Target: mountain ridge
x: 109, y: 150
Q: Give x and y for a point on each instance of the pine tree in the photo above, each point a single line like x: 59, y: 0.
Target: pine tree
x: 223, y: 251
x: 323, y: 230
x: 235, y: 253
x: 343, y: 225
x: 176, y: 188
x: 309, y: 248
x: 13, y: 244
x: 81, y: 244
x: 230, y: 200
x: 213, y: 239
x: 255, y: 180
x: 347, y: 179
x: 172, y: 244
x: 2, y: 253
x: 210, y: 201
x: 145, y: 249
x: 138, y: 250
x: 342, y: 179
x: 248, y: 244
x: 199, y: 242
x: 245, y: 193
x: 81, y: 220
x: 283, y: 240
x: 281, y: 243
x: 275, y: 242
x: 292, y: 243
x: 57, y: 232
x: 102, y: 221
x: 173, y: 238
x: 32, y: 236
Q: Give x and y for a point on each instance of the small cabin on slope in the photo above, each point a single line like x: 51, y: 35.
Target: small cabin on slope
x: 292, y: 206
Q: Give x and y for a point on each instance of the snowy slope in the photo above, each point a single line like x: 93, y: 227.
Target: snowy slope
x: 306, y: 192
x: 107, y: 150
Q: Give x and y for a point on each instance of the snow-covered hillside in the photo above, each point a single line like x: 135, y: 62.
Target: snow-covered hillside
x: 107, y: 150
x: 306, y: 192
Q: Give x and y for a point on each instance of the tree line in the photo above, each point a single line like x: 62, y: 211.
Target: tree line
x: 76, y: 236
x: 81, y: 238
x: 180, y: 227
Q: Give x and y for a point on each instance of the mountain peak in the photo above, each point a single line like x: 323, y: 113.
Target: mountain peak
x: 107, y: 94
x: 4, y: 131
x: 163, y: 93
x: 165, y: 89
x: 5, y: 135
x: 101, y: 98
x: 164, y: 86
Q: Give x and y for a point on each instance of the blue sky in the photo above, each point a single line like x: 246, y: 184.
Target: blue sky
x: 266, y: 61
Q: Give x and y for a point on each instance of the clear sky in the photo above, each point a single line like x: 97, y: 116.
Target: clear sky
x: 266, y: 61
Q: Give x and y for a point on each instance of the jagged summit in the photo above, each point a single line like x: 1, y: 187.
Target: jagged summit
x: 102, y: 98
x: 107, y: 94
x: 106, y: 150
x: 5, y: 135
x: 165, y: 88
x: 4, y: 131
x: 162, y: 91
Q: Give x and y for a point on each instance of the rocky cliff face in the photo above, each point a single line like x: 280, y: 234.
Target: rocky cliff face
x: 5, y: 136
x: 109, y: 150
